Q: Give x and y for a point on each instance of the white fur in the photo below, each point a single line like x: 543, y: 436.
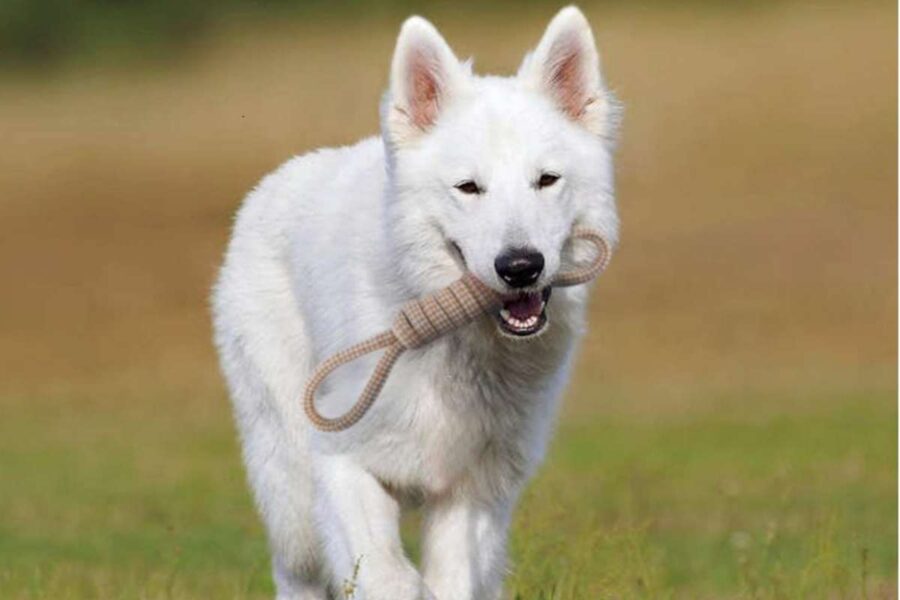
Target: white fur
x: 327, y: 248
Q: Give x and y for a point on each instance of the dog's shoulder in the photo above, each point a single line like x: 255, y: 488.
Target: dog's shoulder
x: 315, y: 175
x: 306, y: 188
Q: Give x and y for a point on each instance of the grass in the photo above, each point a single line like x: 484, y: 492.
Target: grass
x: 777, y: 509
x: 137, y: 504
x: 731, y: 428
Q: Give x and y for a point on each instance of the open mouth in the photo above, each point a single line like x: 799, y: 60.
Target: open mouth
x: 524, y: 314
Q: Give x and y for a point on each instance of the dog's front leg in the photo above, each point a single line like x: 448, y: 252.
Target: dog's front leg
x: 359, y: 521
x: 464, y: 548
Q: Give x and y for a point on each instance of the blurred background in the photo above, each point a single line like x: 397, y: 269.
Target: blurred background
x: 731, y: 430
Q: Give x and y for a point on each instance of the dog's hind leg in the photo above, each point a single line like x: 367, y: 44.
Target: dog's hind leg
x: 283, y: 489
x: 263, y: 355
x: 280, y: 475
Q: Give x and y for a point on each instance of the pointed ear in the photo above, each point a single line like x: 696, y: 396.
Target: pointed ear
x: 565, y: 66
x: 425, y: 77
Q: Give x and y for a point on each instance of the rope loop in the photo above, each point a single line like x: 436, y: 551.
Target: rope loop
x: 589, y: 271
x: 356, y: 412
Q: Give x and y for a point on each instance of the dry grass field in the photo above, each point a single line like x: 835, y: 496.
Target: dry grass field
x: 732, y: 428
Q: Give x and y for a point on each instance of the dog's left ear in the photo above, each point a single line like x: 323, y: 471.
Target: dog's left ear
x: 566, y: 66
x: 425, y: 77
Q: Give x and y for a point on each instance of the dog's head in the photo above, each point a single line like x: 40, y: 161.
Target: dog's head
x: 491, y: 174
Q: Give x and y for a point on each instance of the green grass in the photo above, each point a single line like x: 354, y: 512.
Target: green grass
x: 785, y: 507
x: 143, y: 497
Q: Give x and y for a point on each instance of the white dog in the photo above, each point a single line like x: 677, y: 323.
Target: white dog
x: 481, y: 173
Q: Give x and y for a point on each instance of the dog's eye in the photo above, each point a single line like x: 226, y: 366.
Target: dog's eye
x: 468, y: 187
x: 547, y: 179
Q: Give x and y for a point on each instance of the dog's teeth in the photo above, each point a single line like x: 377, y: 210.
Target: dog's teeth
x: 524, y: 325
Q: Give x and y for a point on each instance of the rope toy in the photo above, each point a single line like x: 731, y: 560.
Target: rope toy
x: 422, y: 321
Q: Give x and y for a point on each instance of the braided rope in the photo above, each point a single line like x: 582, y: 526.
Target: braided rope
x: 424, y: 320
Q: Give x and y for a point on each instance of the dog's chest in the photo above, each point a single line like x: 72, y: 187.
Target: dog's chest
x: 458, y: 412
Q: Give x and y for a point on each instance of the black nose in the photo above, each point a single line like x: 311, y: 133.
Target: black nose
x: 519, y: 267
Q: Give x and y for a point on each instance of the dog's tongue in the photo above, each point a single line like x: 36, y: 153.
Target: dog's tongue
x: 525, y: 306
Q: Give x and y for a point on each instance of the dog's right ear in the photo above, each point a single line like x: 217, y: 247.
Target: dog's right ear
x: 425, y: 77
x: 565, y: 66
